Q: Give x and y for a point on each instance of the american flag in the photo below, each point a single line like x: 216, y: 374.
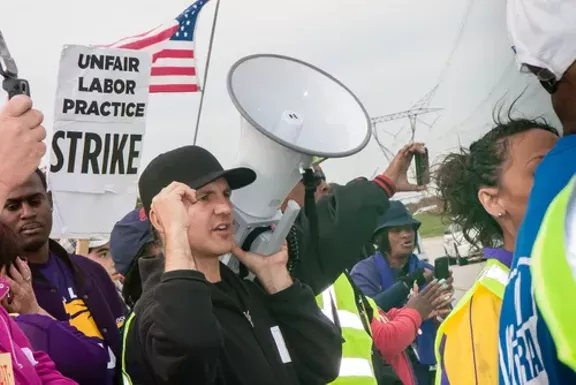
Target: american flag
x: 172, y: 47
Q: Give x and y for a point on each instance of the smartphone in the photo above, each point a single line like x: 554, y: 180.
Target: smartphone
x: 441, y: 267
x: 422, y: 168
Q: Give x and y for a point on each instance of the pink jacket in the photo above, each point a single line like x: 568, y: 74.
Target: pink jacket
x: 392, y: 335
x: 29, y: 367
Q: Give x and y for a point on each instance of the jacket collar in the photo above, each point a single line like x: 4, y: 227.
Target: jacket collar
x: 503, y: 256
x: 59, y: 252
x: 152, y: 268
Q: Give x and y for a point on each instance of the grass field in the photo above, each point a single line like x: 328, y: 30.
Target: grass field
x: 432, y: 225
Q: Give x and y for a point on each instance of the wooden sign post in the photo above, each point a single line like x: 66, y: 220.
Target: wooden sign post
x: 82, y: 247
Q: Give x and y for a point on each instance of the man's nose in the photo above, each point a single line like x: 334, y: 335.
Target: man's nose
x: 27, y: 211
x: 223, y: 208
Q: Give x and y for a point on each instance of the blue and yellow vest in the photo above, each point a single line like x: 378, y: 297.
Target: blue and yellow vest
x: 553, y: 269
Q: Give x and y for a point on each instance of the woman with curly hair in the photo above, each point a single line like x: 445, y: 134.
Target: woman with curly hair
x: 485, y: 190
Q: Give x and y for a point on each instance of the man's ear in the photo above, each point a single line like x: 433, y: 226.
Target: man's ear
x: 49, y: 195
x: 155, y: 221
x: 488, y: 197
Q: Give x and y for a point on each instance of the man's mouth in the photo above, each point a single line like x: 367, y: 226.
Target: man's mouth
x: 31, y: 228
x: 223, y: 229
x: 407, y: 244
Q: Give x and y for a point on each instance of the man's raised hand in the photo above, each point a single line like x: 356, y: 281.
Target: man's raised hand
x: 271, y: 270
x: 170, y: 216
x: 169, y: 209
x: 21, y: 141
x: 397, y: 170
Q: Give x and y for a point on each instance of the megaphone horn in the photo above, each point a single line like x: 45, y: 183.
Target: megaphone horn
x: 292, y: 114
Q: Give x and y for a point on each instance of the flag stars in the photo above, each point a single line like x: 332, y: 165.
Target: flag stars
x: 185, y: 34
x: 188, y: 22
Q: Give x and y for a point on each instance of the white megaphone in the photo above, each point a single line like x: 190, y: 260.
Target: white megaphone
x: 291, y: 112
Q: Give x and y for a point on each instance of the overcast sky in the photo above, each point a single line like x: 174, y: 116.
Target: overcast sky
x: 390, y: 53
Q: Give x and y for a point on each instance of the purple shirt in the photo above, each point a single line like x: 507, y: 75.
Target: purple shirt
x: 503, y: 256
x: 79, y: 315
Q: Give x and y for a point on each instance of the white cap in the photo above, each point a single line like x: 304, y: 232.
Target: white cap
x: 543, y: 33
x: 98, y: 242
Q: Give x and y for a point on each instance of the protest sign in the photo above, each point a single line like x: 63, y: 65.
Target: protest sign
x: 100, y: 119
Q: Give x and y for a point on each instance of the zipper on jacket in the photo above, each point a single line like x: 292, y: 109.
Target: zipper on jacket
x: 248, y: 317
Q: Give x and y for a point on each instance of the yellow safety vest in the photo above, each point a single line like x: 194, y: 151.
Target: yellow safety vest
x: 553, y: 266
x: 126, y: 380
x: 356, y: 365
x: 467, y: 355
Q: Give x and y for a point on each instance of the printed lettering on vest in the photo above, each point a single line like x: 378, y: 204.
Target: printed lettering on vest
x: 521, y: 356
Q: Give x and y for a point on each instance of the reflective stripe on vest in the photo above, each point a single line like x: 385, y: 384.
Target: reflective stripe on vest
x: 346, y: 318
x: 126, y: 380
x: 494, y: 277
x: 356, y: 364
x: 553, y: 267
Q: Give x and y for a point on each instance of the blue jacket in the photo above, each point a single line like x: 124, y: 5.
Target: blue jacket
x: 376, y: 279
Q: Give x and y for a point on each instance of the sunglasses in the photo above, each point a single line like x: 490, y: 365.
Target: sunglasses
x: 545, y: 76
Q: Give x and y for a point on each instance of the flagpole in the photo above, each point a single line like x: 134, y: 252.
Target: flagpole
x: 203, y: 89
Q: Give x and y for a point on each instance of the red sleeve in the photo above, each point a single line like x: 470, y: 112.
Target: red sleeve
x: 394, y: 336
x: 386, y: 184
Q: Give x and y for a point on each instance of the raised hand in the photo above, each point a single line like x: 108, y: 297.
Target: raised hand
x: 21, y: 141
x: 21, y: 298
x: 397, y: 170
x: 270, y: 270
x: 434, y: 296
x: 170, y: 214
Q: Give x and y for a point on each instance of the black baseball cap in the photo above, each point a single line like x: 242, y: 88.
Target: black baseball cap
x: 191, y: 165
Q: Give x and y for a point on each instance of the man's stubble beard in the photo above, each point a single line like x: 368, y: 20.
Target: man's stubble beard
x: 34, y: 246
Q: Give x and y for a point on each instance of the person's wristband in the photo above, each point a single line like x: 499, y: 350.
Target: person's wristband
x: 386, y: 184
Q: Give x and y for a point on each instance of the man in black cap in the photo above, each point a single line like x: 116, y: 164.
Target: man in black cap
x: 196, y: 321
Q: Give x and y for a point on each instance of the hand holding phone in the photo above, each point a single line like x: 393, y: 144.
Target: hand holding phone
x: 422, y: 168
x: 442, y: 268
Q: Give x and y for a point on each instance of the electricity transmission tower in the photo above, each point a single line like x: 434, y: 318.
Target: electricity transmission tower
x: 418, y: 108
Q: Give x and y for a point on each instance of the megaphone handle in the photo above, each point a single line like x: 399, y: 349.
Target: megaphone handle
x: 283, y: 228
x: 16, y: 87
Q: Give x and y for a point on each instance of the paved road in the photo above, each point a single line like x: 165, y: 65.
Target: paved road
x: 464, y: 276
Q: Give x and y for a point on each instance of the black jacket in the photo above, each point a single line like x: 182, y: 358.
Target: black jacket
x: 346, y: 221
x: 188, y: 331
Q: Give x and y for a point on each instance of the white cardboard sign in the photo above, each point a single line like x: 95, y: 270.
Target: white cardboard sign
x: 100, y: 120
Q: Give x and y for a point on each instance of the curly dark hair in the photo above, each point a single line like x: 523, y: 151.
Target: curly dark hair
x: 461, y: 174
x: 9, y: 246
